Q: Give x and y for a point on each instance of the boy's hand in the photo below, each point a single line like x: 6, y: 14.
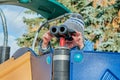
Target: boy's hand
x: 46, y: 39
x: 78, y: 39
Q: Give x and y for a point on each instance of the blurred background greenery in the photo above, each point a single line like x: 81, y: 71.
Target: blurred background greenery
x: 102, y: 24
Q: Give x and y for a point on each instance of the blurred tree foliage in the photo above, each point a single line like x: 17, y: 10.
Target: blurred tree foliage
x: 102, y: 20
x: 33, y: 24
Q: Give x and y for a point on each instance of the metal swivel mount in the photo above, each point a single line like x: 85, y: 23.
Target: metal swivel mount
x: 61, y: 61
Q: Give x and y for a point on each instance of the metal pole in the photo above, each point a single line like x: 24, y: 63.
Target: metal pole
x: 61, y: 64
x: 4, y: 49
x: 5, y: 43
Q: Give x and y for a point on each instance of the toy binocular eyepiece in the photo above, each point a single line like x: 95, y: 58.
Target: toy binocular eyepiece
x: 62, y: 31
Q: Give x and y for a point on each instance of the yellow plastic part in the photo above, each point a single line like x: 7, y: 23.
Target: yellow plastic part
x: 16, y: 69
x: 26, y: 67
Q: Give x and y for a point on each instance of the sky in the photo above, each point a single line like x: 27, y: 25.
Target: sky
x: 16, y: 27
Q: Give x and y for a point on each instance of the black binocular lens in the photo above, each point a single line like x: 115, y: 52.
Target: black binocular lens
x: 69, y: 38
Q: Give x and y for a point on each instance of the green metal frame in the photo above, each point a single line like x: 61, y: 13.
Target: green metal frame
x: 49, y: 9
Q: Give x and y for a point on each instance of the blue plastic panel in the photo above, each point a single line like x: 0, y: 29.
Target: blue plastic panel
x: 94, y: 66
x: 87, y: 65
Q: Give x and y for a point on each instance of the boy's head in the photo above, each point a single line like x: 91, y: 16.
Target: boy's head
x: 76, y: 23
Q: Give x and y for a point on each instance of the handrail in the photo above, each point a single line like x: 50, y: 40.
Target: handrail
x: 5, y: 41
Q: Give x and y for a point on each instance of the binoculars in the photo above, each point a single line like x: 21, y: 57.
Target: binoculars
x: 62, y: 31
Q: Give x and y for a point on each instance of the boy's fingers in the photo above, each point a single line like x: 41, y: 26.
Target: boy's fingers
x: 78, y: 33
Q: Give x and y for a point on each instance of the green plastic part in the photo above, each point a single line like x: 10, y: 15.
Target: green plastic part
x: 49, y: 9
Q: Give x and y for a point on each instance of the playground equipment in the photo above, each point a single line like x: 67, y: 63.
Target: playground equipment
x: 63, y: 64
